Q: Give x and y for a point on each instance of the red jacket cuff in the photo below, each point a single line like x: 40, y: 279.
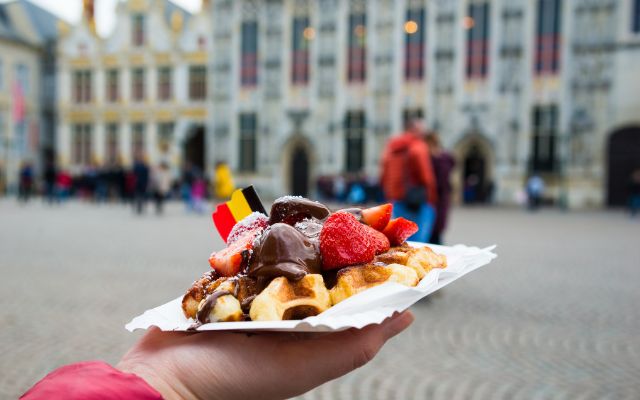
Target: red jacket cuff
x: 91, y: 380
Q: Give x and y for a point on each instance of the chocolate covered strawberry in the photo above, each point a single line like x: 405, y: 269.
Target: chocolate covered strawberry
x: 230, y: 260
x: 399, y: 229
x: 345, y: 241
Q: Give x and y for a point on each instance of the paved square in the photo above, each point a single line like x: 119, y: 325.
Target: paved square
x: 556, y: 316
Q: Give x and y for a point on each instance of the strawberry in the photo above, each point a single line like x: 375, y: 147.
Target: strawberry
x: 253, y: 221
x: 230, y: 260
x: 399, y: 229
x: 344, y: 241
x: 377, y: 217
x: 379, y: 240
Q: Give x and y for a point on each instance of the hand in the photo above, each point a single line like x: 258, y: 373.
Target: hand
x: 226, y: 365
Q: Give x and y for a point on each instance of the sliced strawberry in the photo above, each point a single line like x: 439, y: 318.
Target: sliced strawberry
x: 231, y: 260
x: 378, y: 239
x: 253, y: 221
x: 377, y: 217
x: 345, y: 241
x: 399, y: 229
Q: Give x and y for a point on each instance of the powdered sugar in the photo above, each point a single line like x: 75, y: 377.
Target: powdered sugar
x: 250, y: 222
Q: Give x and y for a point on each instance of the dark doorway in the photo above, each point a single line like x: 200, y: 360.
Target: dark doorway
x: 194, y: 147
x: 300, y: 172
x: 474, y: 177
x: 623, y: 158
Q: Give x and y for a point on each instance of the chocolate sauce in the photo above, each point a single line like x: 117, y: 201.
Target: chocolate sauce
x: 284, y: 251
x: 202, y: 316
x: 355, y: 211
x: 294, y: 209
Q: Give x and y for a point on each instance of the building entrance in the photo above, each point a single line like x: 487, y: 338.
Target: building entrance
x: 474, y: 177
x: 300, y: 172
x: 623, y: 159
x: 194, y: 147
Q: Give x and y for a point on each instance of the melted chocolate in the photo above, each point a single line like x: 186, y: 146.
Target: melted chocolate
x: 202, y: 316
x: 284, y: 251
x: 295, y: 209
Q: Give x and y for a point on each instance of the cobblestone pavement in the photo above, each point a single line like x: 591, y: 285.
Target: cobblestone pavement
x: 556, y: 316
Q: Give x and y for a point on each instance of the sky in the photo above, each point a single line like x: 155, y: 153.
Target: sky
x: 71, y: 10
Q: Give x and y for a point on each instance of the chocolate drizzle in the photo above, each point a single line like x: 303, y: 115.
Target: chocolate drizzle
x: 284, y: 251
x: 202, y: 316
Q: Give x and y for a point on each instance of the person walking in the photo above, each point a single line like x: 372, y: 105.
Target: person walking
x: 141, y: 178
x: 634, y: 193
x: 408, y: 180
x: 25, y: 182
x: 161, y: 185
x: 535, y: 190
x: 223, y: 186
x: 443, y: 163
x: 49, y: 178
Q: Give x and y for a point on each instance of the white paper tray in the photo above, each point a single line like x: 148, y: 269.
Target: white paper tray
x: 369, y: 307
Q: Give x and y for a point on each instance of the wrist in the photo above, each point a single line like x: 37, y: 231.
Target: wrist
x: 152, y: 378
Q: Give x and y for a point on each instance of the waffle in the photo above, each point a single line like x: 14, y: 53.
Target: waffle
x: 420, y: 259
x: 353, y: 280
x: 283, y: 299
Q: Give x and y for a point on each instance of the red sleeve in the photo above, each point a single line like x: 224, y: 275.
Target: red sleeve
x: 91, y: 380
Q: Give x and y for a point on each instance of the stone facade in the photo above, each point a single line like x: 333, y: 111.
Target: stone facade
x: 503, y: 123
x: 142, y: 90
x: 27, y: 88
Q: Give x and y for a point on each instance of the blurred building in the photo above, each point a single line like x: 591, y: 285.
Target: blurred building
x: 27, y: 87
x: 141, y: 90
x: 307, y: 88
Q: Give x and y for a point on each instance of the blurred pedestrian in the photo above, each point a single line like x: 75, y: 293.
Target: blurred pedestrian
x: 443, y: 163
x: 223, y: 181
x: 535, y: 191
x: 186, y: 181
x: 50, y: 176
x: 64, y: 183
x: 25, y: 182
x: 634, y: 192
x: 160, y: 185
x: 408, y: 179
x: 141, y: 185
x: 198, y: 192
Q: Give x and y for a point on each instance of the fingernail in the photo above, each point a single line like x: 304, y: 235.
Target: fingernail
x: 399, y: 323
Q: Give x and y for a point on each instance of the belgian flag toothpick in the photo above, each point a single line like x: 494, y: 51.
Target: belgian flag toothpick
x: 243, y: 202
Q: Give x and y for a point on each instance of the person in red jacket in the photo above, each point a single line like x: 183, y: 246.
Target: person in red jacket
x: 220, y: 365
x: 408, y: 180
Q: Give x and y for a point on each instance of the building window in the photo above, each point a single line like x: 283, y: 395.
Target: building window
x: 164, y: 83
x: 22, y: 76
x: 138, y: 37
x: 248, y: 128
x: 249, y: 54
x: 477, y: 25
x: 112, y: 145
x: 81, y: 153
x: 411, y: 114
x: 138, y: 84
x: 357, y: 55
x: 165, y: 135
x: 302, y: 34
x: 113, y: 94
x: 354, y: 141
x: 547, y: 58
x: 415, y: 32
x: 137, y: 140
x: 82, y: 86
x: 635, y: 15
x: 197, y: 82
x: 545, y: 122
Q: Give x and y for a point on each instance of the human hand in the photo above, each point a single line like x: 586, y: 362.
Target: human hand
x: 227, y: 365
